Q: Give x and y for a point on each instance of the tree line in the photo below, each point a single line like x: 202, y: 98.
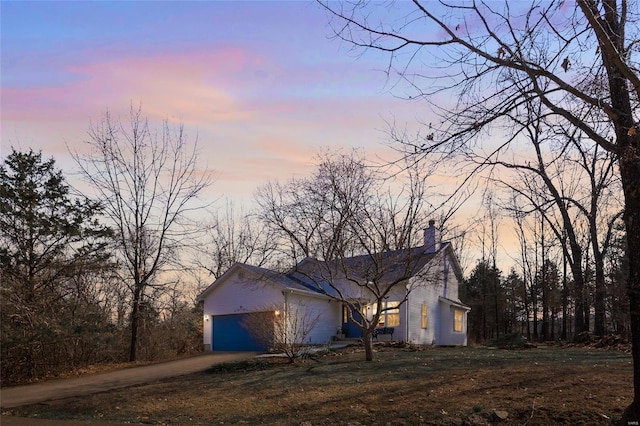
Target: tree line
x: 541, y: 306
x: 102, y: 280
x: 98, y: 280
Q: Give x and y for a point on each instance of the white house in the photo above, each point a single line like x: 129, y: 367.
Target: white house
x: 426, y: 278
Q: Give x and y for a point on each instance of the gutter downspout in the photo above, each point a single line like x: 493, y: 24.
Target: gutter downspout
x: 286, y: 313
x: 406, y: 307
x: 445, y: 271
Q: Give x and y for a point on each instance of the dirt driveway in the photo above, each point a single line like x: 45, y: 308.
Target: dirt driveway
x: 64, y: 388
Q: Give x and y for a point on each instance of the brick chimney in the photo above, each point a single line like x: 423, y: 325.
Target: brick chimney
x: 431, y: 238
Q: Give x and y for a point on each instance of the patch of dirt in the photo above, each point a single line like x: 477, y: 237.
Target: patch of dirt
x: 402, y: 386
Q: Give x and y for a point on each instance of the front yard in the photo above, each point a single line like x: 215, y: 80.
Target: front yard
x: 401, y: 386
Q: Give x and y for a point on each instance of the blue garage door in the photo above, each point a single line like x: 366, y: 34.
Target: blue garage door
x: 229, y: 334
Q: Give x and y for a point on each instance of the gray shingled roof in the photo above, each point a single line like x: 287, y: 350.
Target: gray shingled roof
x: 382, y: 268
x: 273, y: 277
x: 385, y: 269
x: 263, y: 275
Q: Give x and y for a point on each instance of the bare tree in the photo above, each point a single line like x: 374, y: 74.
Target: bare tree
x: 284, y: 330
x: 236, y: 236
x: 553, y: 49
x: 356, y: 232
x: 568, y: 172
x: 148, y: 182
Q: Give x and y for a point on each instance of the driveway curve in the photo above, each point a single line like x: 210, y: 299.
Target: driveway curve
x: 65, y: 388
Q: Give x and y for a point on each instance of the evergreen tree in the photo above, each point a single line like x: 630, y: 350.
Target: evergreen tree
x: 50, y: 242
x: 483, y: 292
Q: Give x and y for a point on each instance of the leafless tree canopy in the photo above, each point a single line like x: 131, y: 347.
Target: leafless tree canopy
x: 345, y: 208
x: 234, y: 235
x: 355, y: 228
x: 148, y: 181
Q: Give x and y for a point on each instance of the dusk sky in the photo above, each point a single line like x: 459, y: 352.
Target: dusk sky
x: 261, y: 85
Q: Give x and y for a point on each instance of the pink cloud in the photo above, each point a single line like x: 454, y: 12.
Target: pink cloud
x: 194, y: 84
x: 251, y: 115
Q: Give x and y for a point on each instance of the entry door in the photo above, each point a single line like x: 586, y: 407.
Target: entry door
x: 348, y: 327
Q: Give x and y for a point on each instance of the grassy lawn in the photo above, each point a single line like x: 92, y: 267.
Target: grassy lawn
x: 440, y: 386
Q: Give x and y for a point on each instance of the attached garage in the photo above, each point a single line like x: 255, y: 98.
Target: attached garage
x: 250, y: 298
x: 231, y: 334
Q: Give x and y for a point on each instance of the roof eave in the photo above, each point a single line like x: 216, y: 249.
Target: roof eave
x: 216, y: 283
x: 455, y: 303
x: 308, y: 293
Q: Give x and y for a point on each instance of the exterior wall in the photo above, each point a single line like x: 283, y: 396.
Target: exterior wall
x: 448, y: 337
x: 238, y: 294
x: 304, y: 311
x: 452, y: 283
x: 242, y: 292
x: 426, y: 288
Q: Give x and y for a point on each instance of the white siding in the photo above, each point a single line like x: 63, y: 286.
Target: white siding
x: 451, y: 279
x: 448, y: 336
x: 325, y: 313
x: 438, y: 279
x: 424, y: 293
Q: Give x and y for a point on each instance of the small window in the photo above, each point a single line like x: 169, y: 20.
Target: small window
x: 458, y: 319
x: 393, y: 314
x: 423, y: 315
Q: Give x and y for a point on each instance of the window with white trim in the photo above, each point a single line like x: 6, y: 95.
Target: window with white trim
x: 458, y: 320
x: 424, y: 317
x: 390, y: 316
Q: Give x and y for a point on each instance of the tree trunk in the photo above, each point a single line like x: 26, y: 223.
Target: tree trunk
x: 526, y: 306
x: 587, y: 314
x: 545, y: 310
x: 599, y: 296
x: 368, y: 345
x: 628, y: 152
x: 632, y: 413
x: 579, y: 321
x: 534, y: 306
x: 496, y: 307
x: 565, y: 298
x: 135, y: 319
x: 484, y: 313
x: 630, y: 173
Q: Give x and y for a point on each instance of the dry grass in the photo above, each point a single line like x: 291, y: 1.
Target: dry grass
x: 432, y: 386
